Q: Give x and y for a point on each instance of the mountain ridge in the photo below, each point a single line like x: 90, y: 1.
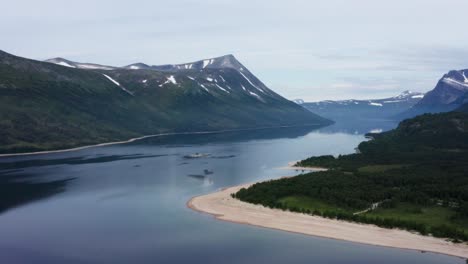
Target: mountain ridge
x: 365, y: 109
x: 224, y: 61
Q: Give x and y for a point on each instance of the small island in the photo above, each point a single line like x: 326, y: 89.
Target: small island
x: 406, y: 188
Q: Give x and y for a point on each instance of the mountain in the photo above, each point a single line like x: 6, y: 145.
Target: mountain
x: 365, y: 109
x: 50, y: 105
x: 449, y: 93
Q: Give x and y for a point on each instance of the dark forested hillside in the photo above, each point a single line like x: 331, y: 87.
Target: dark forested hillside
x: 64, y: 104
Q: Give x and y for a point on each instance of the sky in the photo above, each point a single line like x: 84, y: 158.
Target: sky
x: 313, y: 50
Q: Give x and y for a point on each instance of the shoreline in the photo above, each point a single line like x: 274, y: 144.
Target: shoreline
x: 5, y: 155
x: 291, y: 166
x: 223, y: 207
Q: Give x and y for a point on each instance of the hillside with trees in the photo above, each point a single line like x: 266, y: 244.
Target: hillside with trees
x: 413, y: 177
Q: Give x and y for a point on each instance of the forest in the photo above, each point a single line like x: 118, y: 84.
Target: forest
x: 413, y: 177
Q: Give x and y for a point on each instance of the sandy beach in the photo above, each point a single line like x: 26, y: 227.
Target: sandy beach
x: 291, y: 166
x: 223, y: 207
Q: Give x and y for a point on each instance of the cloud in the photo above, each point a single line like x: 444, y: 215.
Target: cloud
x: 308, y: 49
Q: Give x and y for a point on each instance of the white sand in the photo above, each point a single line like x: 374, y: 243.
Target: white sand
x: 291, y: 166
x: 221, y: 205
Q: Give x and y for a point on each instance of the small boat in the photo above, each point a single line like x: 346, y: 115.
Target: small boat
x: 208, y: 172
x: 197, y: 155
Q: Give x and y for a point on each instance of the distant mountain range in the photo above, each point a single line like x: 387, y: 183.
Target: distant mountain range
x: 346, y: 110
x: 449, y: 94
x: 61, y: 103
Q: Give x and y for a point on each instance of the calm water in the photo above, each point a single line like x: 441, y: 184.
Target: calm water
x: 127, y: 203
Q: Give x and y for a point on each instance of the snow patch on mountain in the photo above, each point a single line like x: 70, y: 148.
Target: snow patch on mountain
x: 392, y: 101
x: 94, y: 67
x: 172, y: 79
x: 207, y: 62
x: 221, y: 88
x: 256, y: 96
x: 65, y: 64
x: 112, y: 80
x: 251, y: 83
x: 464, y: 77
x: 204, y: 87
x: 449, y: 80
x: 118, y: 84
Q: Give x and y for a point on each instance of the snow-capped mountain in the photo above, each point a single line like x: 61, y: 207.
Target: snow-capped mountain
x: 218, y: 76
x: 450, y: 87
x: 450, y: 92
x: 109, y: 103
x: 368, y: 109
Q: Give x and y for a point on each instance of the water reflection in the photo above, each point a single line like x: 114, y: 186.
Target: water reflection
x: 359, y: 126
x: 19, y: 176
x: 21, y: 164
x: 17, y: 189
x: 233, y: 136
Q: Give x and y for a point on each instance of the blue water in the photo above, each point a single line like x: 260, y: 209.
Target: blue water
x: 127, y: 203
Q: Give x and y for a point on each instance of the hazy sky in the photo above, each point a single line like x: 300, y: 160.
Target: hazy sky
x: 333, y: 49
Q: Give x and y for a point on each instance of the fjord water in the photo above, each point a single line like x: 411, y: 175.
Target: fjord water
x: 127, y: 203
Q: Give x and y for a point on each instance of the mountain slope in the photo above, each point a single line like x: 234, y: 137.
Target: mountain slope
x: 365, y: 109
x: 446, y: 96
x: 47, y: 106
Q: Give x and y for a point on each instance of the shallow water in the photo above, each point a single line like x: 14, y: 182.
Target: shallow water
x: 127, y: 203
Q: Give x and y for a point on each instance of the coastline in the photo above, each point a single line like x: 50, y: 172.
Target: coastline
x: 291, y: 166
x: 5, y: 155
x: 223, y: 207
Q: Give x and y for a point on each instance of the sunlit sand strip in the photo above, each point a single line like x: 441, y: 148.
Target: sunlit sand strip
x: 223, y: 207
x: 291, y: 166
